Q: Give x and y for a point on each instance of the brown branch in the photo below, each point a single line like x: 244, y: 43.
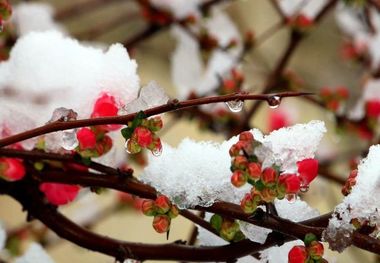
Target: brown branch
x: 82, y: 7
x: 170, y: 106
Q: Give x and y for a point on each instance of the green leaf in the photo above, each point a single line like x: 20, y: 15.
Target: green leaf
x: 127, y: 132
x: 216, y: 222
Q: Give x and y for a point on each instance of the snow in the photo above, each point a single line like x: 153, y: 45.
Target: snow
x: 35, y: 253
x: 179, y: 8
x: 279, y: 254
x: 198, y: 173
x: 47, y: 70
x: 288, y: 145
x: 31, y: 17
x: 310, y: 8
x: 296, y: 212
x: 361, y: 203
x: 371, y: 91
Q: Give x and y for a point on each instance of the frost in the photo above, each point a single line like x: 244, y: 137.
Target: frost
x: 198, y: 173
x: 47, y: 70
x: 296, y: 212
x: 179, y: 8
x: 286, y: 146
x: 309, y: 8
x: 31, y: 17
x: 361, y: 203
x: 35, y: 253
x: 188, y: 72
x: 150, y: 96
x: 371, y: 92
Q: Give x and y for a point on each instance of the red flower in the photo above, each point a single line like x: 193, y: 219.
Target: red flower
x: 297, y: 254
x: 277, y: 120
x: 373, y: 108
x: 254, y: 171
x: 291, y: 182
x: 342, y: 92
x: 308, y: 170
x: 143, y: 136
x: 86, y: 138
x: 59, y: 194
x: 105, y: 106
x: 303, y: 21
x: 12, y: 169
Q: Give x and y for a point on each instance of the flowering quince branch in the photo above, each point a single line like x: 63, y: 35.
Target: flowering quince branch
x: 172, y: 105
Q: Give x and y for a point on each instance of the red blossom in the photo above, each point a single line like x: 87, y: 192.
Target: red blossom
x: 12, y: 169
x: 144, y: 136
x: 254, y: 171
x: 308, y: 170
x: 269, y: 176
x: 297, y: 254
x: 59, y: 194
x: 291, y: 182
x: 105, y: 106
x: 277, y: 120
x: 373, y: 108
x: 86, y: 138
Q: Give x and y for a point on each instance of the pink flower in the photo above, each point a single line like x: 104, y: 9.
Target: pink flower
x: 59, y: 194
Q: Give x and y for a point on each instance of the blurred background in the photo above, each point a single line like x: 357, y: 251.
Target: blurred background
x: 317, y: 61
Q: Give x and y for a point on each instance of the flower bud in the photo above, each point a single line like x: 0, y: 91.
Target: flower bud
x: 297, y: 254
x: 161, y: 223
x: 254, y: 171
x: 315, y: 250
x: 238, y: 178
x: 148, y: 208
x: 143, y: 136
x: 373, y: 108
x: 163, y: 204
x: 240, y: 163
x: 268, y: 195
x: 12, y: 169
x: 133, y: 147
x: 269, y: 176
x: 173, y: 212
x: 155, y: 124
x: 229, y: 229
x: 246, y: 136
x: 248, y: 204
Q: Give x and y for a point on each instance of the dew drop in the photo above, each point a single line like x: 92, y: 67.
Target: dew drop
x: 274, y: 102
x: 69, y: 139
x: 235, y: 105
x: 304, y: 188
x: 291, y: 198
x: 157, y: 152
x: 126, y: 147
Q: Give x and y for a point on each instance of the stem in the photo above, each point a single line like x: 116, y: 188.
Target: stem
x: 170, y: 106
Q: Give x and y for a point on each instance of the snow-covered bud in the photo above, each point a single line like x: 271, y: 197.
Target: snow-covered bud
x: 238, y: 178
x: 163, y: 204
x: 297, y: 254
x: 148, y: 208
x: 11, y: 169
x: 161, y: 223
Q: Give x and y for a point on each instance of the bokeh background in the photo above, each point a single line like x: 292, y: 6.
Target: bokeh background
x: 317, y: 61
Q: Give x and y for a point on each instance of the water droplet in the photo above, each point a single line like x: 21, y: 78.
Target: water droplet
x: 274, y: 102
x: 126, y: 147
x: 235, y: 105
x: 292, y: 198
x: 69, y: 139
x: 157, y: 151
x: 304, y: 188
